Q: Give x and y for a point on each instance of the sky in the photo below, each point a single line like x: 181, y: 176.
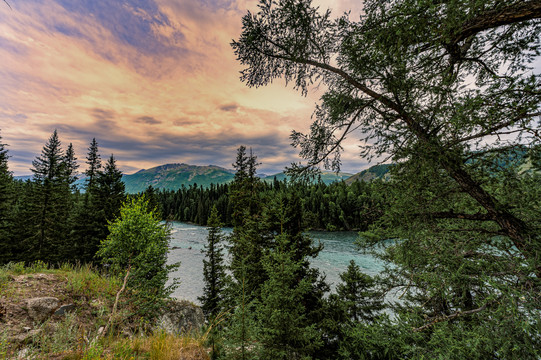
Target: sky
x: 154, y: 81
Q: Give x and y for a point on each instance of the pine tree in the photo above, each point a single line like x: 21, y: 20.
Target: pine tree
x: 49, y: 244
x: 286, y: 332
x: 248, y: 240
x: 215, y: 279
x: 94, y: 165
x: 70, y: 166
x: 110, y: 192
x: 362, y: 301
x: 213, y: 268
x: 102, y: 202
x: 6, y: 204
x: 240, y: 333
x: 89, y: 227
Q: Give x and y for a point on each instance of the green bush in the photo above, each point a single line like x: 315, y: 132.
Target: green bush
x: 138, y: 242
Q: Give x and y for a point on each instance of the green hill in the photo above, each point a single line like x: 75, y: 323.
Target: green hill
x: 373, y: 172
x: 173, y: 176
x: 327, y: 177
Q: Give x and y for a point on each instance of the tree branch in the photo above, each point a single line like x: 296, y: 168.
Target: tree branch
x: 452, y: 215
x: 449, y: 317
x: 491, y: 19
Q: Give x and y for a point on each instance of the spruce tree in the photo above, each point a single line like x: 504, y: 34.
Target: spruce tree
x: 110, y: 192
x: 6, y: 204
x: 249, y: 239
x: 215, y: 279
x: 90, y: 228
x: 53, y: 200
x: 357, y: 290
x: 240, y: 335
x: 213, y: 268
x: 94, y: 165
x: 70, y: 166
x: 286, y: 332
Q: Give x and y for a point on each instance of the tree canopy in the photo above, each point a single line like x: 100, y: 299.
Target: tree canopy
x: 449, y: 92
x: 443, y: 79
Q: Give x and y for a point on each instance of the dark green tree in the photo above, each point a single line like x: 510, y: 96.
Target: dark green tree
x: 109, y: 194
x: 285, y: 330
x: 249, y: 239
x: 215, y: 279
x: 52, y: 201
x: 357, y: 291
x: 102, y: 201
x: 70, y: 166
x: 94, y: 165
x: 6, y: 207
x: 241, y: 331
x: 446, y: 89
x: 214, y: 273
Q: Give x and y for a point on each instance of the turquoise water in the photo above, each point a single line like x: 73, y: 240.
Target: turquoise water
x: 188, y: 240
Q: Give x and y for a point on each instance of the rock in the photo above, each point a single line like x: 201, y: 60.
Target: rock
x: 41, y: 308
x: 23, y: 354
x: 24, y: 338
x: 64, y: 309
x: 181, y: 316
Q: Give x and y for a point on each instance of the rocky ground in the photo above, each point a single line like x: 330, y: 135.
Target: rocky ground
x: 59, y: 314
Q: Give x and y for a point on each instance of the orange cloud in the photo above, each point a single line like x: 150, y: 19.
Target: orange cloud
x: 137, y: 75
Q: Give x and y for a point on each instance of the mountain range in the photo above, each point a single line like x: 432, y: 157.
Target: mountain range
x: 173, y: 176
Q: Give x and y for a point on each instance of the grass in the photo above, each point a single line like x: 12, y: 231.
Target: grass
x: 73, y: 336
x: 85, y: 281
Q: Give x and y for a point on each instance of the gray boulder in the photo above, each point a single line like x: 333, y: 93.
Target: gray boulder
x: 39, y: 309
x: 181, y: 316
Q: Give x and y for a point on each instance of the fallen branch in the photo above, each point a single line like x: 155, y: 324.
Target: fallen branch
x: 115, y: 305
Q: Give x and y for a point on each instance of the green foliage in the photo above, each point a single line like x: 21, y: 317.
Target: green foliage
x: 357, y: 291
x: 138, y: 242
x: 53, y: 175
x: 240, y: 333
x: 7, y: 248
x: 214, y: 270
x: 445, y: 89
x: 285, y: 330
x: 101, y: 203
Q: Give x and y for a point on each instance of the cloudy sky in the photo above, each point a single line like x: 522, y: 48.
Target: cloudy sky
x: 154, y: 81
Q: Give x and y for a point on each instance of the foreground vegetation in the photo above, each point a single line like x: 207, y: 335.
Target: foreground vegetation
x: 76, y: 334
x: 448, y: 90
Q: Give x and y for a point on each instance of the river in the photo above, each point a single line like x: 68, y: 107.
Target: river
x: 188, y: 240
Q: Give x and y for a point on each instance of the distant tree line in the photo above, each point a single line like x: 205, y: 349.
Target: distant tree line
x: 47, y: 218
x: 337, y: 206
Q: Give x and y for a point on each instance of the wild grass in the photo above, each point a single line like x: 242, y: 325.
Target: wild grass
x: 162, y: 346
x: 86, y: 281
x: 74, y: 336
x: 3, y: 344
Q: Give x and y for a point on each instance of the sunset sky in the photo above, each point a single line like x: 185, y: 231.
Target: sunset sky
x: 154, y: 81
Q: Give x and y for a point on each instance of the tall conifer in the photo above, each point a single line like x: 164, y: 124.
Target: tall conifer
x: 52, y: 203
x: 6, y: 199
x: 357, y: 291
x: 94, y: 165
x: 213, y: 268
